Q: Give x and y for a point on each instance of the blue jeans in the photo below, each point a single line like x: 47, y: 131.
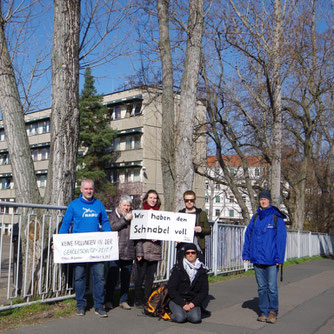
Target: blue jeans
x: 80, y: 284
x: 180, y: 315
x: 266, y: 278
x: 113, y: 276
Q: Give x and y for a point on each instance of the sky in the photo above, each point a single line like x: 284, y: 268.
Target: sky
x: 34, y: 41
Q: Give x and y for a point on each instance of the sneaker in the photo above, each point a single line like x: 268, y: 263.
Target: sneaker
x: 262, y: 318
x: 272, y: 317
x: 101, y: 313
x: 125, y: 306
x: 80, y: 311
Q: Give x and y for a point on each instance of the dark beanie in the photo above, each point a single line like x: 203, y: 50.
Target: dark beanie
x: 265, y: 194
x: 188, y: 247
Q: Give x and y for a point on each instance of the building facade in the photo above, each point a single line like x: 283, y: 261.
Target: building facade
x: 220, y: 203
x: 136, y: 167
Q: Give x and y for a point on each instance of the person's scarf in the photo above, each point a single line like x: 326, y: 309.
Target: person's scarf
x: 149, y: 207
x: 191, y: 269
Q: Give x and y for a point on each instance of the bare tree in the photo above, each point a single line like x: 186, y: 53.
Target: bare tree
x: 65, y: 103
x: 183, y: 127
x: 168, y: 112
x: 13, y: 118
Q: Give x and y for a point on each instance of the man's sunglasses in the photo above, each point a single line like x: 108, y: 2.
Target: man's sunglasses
x: 192, y: 253
x: 192, y: 200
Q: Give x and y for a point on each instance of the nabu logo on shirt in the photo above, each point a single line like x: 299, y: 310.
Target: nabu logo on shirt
x: 89, y: 213
x: 270, y: 225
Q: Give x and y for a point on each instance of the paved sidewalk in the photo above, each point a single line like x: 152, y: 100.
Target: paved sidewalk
x: 306, y: 306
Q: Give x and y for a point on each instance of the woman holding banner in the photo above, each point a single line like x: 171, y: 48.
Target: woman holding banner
x: 148, y: 254
x: 120, y: 220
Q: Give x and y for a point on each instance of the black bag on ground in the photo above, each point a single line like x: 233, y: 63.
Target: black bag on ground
x: 157, y: 303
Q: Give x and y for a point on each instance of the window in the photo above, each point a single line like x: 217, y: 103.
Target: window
x: 34, y: 155
x: 137, y: 106
x: 207, y: 212
x: 42, y: 181
x: 45, y: 126
x: 206, y: 199
x: 114, y: 177
x: 2, y: 135
x: 128, y: 143
x: 5, y: 183
x: 244, y: 198
x: 217, y: 186
x: 45, y: 153
x: 207, y: 185
x: 137, y: 142
x: 217, y: 199
x: 33, y: 129
x: 4, y: 159
x: 128, y: 112
x: 257, y: 172
x: 136, y: 174
x: 117, y: 113
x: 231, y: 199
x: 116, y: 144
x: 217, y: 211
x: 231, y: 213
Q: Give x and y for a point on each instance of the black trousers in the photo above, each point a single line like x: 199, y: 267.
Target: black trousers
x: 145, y: 271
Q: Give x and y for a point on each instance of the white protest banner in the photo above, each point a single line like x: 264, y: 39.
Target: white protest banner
x: 85, y: 247
x: 162, y: 225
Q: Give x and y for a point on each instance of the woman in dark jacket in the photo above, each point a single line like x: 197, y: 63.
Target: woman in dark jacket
x: 148, y: 253
x: 120, y: 220
x: 188, y: 287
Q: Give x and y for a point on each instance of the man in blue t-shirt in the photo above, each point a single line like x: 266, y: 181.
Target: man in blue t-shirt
x: 87, y: 214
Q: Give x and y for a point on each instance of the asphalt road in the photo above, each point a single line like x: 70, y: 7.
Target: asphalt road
x: 306, y: 306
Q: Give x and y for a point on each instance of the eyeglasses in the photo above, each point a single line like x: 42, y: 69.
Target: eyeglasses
x: 192, y: 200
x: 192, y: 253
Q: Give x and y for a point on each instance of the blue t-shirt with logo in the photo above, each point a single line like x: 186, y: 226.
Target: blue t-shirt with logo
x: 85, y: 216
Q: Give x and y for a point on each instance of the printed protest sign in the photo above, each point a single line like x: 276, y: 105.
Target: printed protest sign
x: 85, y: 247
x: 162, y: 225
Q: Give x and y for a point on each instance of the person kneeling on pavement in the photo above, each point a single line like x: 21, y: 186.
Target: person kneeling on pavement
x: 187, y: 287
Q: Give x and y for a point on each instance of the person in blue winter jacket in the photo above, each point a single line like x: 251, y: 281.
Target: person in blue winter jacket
x: 87, y: 214
x: 264, y: 246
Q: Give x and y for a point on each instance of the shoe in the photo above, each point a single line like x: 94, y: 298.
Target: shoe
x: 262, y: 318
x: 109, y: 305
x: 101, y: 313
x: 205, y: 313
x: 272, y: 317
x: 125, y: 306
x: 80, y: 311
x: 139, y: 305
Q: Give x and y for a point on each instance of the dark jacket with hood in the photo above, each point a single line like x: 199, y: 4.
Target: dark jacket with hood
x: 182, y: 292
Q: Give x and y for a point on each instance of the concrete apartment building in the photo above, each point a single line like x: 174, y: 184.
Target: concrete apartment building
x: 220, y: 203
x: 136, y: 115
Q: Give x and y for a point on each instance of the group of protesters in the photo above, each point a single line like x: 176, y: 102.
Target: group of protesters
x: 87, y: 214
x: 188, y: 284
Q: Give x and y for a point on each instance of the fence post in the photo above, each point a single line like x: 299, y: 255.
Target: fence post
x: 215, y: 247
x: 310, y: 244
x: 298, y: 243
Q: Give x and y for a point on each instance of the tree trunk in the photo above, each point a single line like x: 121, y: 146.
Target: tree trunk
x: 24, y: 177
x: 168, y: 114
x: 184, y: 169
x: 276, y: 137
x: 65, y: 109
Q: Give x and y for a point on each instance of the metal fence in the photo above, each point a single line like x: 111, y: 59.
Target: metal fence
x: 27, y: 271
